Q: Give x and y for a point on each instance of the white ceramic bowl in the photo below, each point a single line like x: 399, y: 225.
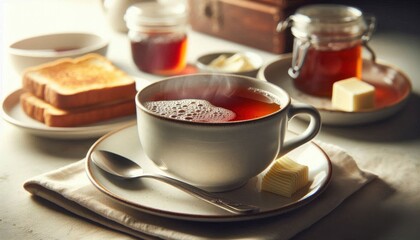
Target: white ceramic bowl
x: 204, y: 61
x: 36, y: 50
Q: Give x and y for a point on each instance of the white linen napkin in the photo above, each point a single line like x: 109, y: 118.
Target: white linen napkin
x: 70, y: 188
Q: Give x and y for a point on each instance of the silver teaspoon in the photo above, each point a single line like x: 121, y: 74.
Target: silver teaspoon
x: 125, y: 168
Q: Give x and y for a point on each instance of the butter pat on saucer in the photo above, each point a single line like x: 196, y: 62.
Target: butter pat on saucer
x: 285, y: 177
x: 353, y: 95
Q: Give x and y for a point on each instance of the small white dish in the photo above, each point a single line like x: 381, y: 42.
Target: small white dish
x: 392, y: 91
x: 37, y: 50
x: 203, y: 62
x: 12, y: 112
x: 157, y: 198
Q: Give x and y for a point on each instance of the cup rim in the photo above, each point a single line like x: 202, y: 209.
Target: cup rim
x: 139, y: 105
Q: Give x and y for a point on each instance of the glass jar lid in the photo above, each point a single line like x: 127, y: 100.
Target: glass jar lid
x: 328, y: 21
x: 149, y: 14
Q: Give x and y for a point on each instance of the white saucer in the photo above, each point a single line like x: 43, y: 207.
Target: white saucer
x: 157, y: 198
x: 12, y: 112
x: 380, y: 74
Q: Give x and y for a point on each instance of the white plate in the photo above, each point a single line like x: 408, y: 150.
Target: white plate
x: 160, y: 199
x: 12, y: 112
x: 392, y: 91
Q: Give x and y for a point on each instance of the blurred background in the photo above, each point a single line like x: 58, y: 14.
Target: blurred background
x: 401, y: 16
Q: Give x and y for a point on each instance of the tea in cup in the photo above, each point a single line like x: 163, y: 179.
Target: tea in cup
x: 217, y: 131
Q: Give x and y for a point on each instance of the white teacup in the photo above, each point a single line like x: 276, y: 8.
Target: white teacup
x: 224, y: 155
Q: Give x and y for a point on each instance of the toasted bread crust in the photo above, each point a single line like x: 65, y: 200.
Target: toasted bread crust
x: 73, y: 83
x: 55, y: 117
x: 35, y: 111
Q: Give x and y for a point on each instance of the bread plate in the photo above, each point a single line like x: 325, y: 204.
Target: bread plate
x: 12, y: 112
x: 393, y: 89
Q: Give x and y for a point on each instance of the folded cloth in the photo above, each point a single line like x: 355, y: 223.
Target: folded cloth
x: 70, y: 188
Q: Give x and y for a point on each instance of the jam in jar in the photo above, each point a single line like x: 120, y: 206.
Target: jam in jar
x: 158, y: 37
x: 327, y: 46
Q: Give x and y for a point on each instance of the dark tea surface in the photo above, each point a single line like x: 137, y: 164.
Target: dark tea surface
x: 214, y: 105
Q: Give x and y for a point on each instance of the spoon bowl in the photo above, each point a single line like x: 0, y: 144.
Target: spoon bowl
x: 123, y: 167
x: 116, y: 164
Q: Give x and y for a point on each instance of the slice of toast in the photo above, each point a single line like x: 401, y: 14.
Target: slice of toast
x: 72, y: 83
x: 54, y: 117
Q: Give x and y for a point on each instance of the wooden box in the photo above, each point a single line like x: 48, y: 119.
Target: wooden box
x: 252, y: 23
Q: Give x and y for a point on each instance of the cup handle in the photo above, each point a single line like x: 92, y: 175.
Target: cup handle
x: 310, y: 132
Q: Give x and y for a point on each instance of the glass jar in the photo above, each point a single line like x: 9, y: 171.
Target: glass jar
x: 327, y: 46
x: 158, y: 36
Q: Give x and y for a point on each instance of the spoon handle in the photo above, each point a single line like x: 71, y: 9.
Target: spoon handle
x: 233, y: 207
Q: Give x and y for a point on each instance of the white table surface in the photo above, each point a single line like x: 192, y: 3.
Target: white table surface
x: 388, y: 208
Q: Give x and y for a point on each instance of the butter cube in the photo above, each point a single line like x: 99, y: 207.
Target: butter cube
x: 285, y: 177
x: 352, y: 95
